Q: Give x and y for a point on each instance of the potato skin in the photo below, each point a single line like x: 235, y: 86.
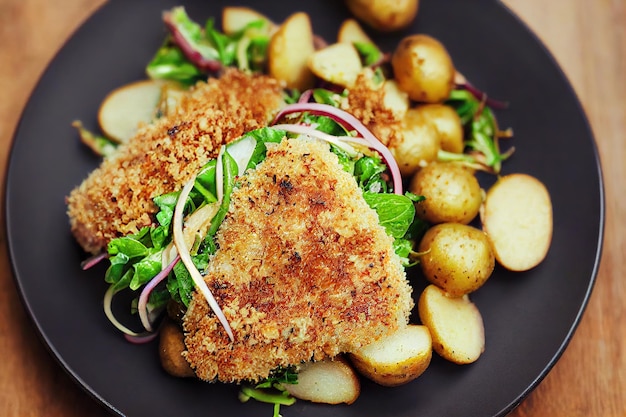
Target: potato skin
x: 388, y: 361
x: 417, y: 145
x: 452, y: 193
x: 448, y: 125
x: 423, y: 68
x: 456, y: 257
x: 384, y: 15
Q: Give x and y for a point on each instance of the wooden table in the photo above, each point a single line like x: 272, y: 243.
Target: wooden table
x: 589, y: 41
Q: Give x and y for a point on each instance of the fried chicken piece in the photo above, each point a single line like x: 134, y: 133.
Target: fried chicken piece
x: 303, y: 271
x: 116, y: 198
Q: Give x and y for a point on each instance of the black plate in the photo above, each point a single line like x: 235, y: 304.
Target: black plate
x: 529, y: 317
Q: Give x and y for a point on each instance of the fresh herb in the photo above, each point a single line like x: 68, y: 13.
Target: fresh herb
x: 272, y: 390
x: 99, y: 144
x: 481, y: 132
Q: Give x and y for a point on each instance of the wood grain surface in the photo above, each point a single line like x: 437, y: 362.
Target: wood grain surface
x: 588, y: 39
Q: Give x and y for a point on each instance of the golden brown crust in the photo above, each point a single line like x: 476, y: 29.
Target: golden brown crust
x: 116, y: 198
x: 366, y: 102
x: 303, y: 270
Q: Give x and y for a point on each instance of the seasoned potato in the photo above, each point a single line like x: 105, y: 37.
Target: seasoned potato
x: 396, y: 359
x: 417, y: 145
x: 350, y: 31
x: 395, y: 99
x: 517, y: 217
x: 171, y: 347
x: 452, y: 193
x: 235, y: 18
x: 289, y: 51
x: 331, y: 381
x: 448, y: 124
x: 423, y: 68
x: 126, y: 107
x: 338, y: 63
x: 455, y: 325
x: 456, y: 257
x: 384, y: 15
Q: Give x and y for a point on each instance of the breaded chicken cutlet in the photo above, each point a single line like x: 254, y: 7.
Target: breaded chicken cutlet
x: 303, y: 271
x: 116, y: 198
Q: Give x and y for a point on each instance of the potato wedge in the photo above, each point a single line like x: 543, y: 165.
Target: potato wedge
x: 338, y: 63
x: 289, y: 51
x: 455, y: 325
x: 330, y: 381
x: 235, y: 18
x: 396, y: 359
x: 351, y: 31
x: 517, y: 217
x: 395, y: 99
x: 124, y: 108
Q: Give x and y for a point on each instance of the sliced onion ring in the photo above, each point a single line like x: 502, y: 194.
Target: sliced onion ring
x: 142, y: 305
x: 349, y: 122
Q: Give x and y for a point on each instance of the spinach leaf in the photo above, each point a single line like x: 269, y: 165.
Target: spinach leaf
x: 395, y: 212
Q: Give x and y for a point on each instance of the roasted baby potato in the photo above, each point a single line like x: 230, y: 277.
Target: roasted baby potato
x: 517, y: 217
x: 395, y: 359
x: 350, y: 31
x: 126, y: 107
x: 448, y: 124
x: 235, y: 18
x: 456, y: 257
x: 423, y: 68
x: 171, y: 348
x: 289, y: 51
x: 384, y: 15
x: 452, y: 193
x: 417, y: 145
x: 338, y: 64
x: 330, y: 381
x: 455, y: 325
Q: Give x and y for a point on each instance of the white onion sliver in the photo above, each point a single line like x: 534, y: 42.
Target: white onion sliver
x: 185, y: 257
x: 349, y: 122
x: 309, y: 131
x: 142, y: 305
x: 107, y: 301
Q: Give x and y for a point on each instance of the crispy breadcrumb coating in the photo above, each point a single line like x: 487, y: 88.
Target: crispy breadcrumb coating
x: 303, y: 271
x: 366, y: 102
x: 116, y: 198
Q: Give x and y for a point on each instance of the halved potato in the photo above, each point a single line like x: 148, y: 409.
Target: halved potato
x: 124, y: 108
x: 289, y: 51
x: 396, y: 359
x: 350, y: 31
x: 517, y: 217
x: 338, y: 63
x: 455, y: 325
x: 235, y: 18
x: 330, y: 381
